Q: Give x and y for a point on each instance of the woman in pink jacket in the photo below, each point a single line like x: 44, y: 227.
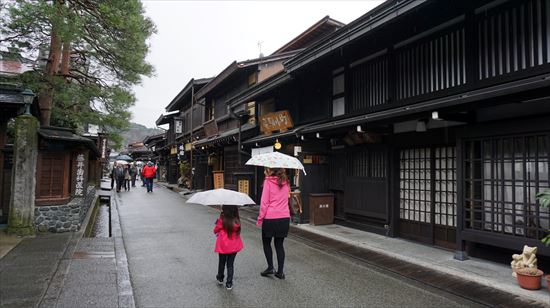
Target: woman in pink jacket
x: 228, y: 242
x: 274, y: 218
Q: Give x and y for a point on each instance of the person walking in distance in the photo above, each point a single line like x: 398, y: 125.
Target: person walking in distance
x: 149, y: 173
x: 119, y: 174
x: 133, y: 174
x: 228, y: 242
x: 274, y: 218
x: 127, y: 178
x: 113, y: 176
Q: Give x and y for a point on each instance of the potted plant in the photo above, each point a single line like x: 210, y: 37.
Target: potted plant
x: 544, y: 201
x: 529, y: 278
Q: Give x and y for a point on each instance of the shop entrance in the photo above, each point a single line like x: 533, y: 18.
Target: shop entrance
x: 427, y: 195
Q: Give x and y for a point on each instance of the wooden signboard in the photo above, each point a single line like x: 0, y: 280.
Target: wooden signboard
x: 211, y: 128
x: 275, y: 121
x: 244, y: 186
x: 218, y: 179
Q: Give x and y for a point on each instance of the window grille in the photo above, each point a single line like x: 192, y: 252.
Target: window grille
x: 502, y: 177
x: 428, y: 185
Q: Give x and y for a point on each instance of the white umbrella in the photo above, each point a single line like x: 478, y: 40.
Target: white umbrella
x: 221, y: 196
x: 276, y: 160
x: 122, y: 162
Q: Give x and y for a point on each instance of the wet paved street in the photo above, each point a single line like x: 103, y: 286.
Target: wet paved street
x: 171, y: 261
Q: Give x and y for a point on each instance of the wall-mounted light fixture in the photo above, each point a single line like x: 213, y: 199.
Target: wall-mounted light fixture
x: 318, y: 135
x: 360, y: 129
x: 277, y: 145
x: 435, y: 115
x: 302, y: 137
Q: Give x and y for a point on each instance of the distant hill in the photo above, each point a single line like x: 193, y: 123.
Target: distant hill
x: 137, y: 133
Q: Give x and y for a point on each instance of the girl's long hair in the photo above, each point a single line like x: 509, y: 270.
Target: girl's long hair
x: 280, y: 173
x: 230, y: 217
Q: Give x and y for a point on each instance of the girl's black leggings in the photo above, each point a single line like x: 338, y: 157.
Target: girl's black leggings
x: 279, y: 249
x: 228, y: 259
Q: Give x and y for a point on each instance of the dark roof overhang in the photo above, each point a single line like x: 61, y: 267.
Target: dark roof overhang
x: 291, y: 133
x: 317, y: 31
x: 185, y: 94
x: 66, y: 135
x: 165, y: 118
x: 369, y: 22
x: 225, y: 136
x: 153, y: 139
x: 527, y: 84
x: 237, y: 66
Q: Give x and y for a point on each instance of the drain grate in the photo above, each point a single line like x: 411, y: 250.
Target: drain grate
x: 93, y: 254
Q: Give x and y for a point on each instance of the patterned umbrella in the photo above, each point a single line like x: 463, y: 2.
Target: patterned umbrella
x: 276, y: 160
x: 221, y: 196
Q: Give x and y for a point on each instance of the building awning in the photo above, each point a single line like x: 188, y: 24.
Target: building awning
x: 165, y: 118
x: 288, y: 133
x: 224, y: 137
x: 532, y: 83
x: 66, y: 135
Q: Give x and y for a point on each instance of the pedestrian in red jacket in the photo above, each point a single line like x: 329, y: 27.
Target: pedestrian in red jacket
x: 149, y: 173
x: 228, y: 242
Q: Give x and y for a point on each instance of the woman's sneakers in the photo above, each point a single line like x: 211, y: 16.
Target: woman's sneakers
x: 229, y: 285
x: 280, y: 275
x: 219, y: 279
x: 267, y: 272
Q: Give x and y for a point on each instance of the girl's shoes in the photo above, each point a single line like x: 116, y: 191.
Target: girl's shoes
x: 219, y: 279
x: 280, y: 275
x: 229, y: 285
x: 267, y: 272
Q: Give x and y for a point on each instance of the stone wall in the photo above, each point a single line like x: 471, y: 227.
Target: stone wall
x: 66, y: 217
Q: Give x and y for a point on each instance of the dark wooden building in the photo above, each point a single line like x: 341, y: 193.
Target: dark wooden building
x: 185, y: 120
x: 428, y: 120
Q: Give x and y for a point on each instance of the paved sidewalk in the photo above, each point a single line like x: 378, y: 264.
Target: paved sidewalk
x: 67, y: 270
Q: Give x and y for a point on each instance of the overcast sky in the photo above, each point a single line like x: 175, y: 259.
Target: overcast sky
x: 198, y: 39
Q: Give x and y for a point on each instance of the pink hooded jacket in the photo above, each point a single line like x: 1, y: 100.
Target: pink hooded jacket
x: 224, y: 243
x: 274, y: 203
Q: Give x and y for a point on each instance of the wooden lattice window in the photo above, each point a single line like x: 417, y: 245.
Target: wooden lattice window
x: 502, y: 177
x: 52, y: 177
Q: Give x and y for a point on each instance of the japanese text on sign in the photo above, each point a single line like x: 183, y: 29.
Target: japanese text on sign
x: 276, y: 121
x: 79, y: 186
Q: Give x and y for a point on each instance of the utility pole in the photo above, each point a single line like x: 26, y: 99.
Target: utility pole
x: 192, y: 138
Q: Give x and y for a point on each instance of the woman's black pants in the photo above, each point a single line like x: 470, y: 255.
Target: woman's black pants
x: 226, y: 259
x: 279, y: 249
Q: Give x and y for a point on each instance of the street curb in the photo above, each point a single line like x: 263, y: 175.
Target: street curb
x: 53, y: 291
x: 124, y: 283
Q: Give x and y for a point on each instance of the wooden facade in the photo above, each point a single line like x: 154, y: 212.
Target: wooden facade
x: 67, y: 163
x: 432, y: 124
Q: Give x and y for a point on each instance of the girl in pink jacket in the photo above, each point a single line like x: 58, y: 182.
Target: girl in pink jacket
x: 228, y: 242
x: 274, y: 218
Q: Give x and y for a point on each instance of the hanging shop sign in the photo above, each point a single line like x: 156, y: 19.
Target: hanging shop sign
x: 211, y: 128
x: 178, y: 125
x: 188, y: 146
x: 173, y: 150
x: 279, y: 121
x: 103, y: 147
x: 218, y: 179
